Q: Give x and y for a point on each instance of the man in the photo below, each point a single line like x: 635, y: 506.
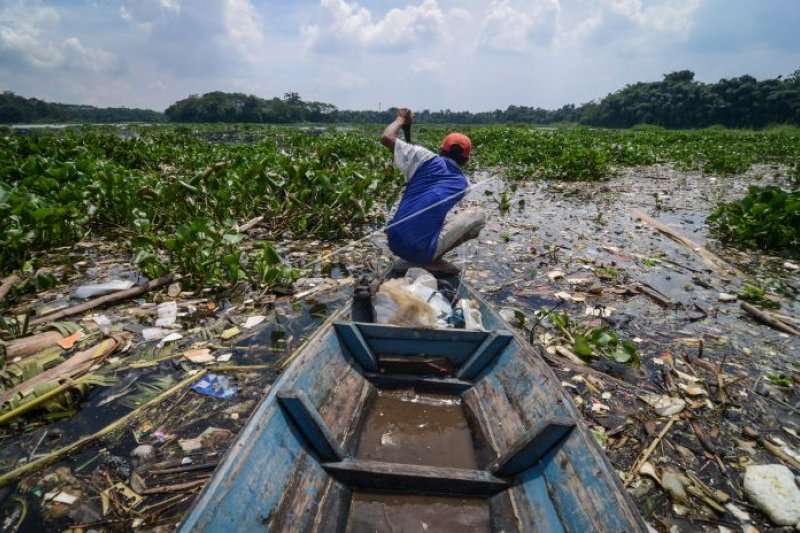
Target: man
x: 418, y: 232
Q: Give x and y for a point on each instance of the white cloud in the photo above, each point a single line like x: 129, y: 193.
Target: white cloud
x: 673, y: 17
x: 349, y: 25
x: 27, y: 29
x: 632, y: 26
x: 198, y: 38
x: 507, y: 28
x: 341, y: 79
x: 244, y: 26
x: 426, y: 65
x: 157, y: 85
x: 145, y: 14
x: 24, y: 29
x: 77, y: 56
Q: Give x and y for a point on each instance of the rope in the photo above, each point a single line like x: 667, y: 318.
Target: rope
x: 326, y: 256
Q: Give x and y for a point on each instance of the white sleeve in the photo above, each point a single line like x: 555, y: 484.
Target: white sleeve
x: 409, y: 157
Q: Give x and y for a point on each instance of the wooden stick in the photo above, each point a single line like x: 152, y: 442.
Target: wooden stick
x: 697, y: 493
x: 792, y: 321
x: 8, y: 282
x: 768, y: 319
x: 180, y: 487
x: 249, y: 224
x: 323, y: 287
x: 182, y: 469
x: 30, y: 345
x: 570, y: 355
x: 656, y: 296
x: 780, y: 454
x: 103, y: 300
x: 56, y: 455
x: 708, y: 258
x: 648, y: 452
x: 241, y: 368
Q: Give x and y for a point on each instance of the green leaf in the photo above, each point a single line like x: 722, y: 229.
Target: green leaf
x: 582, y: 347
x: 621, y: 356
x: 601, y: 338
x: 271, y: 255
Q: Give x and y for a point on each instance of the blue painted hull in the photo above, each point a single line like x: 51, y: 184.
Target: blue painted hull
x: 294, y: 466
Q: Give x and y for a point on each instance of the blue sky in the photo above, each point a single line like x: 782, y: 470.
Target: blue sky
x: 359, y: 54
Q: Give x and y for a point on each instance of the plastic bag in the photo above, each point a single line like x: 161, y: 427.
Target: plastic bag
x: 424, y: 285
x: 411, y: 301
x: 472, y: 315
x: 395, y: 304
x: 89, y: 291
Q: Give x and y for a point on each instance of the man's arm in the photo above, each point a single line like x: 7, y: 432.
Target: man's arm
x: 404, y: 116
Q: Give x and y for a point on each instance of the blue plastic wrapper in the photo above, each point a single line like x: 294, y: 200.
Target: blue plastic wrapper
x: 216, y: 386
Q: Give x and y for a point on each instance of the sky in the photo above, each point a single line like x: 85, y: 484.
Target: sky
x: 465, y: 55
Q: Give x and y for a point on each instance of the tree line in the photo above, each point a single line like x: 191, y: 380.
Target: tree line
x: 677, y: 101
x: 237, y: 107
x: 15, y: 109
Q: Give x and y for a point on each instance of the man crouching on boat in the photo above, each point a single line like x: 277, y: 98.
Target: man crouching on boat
x: 418, y: 233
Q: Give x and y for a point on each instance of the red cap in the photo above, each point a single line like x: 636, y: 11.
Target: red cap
x: 460, y: 139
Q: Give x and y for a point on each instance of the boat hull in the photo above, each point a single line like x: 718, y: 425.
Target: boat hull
x: 296, y: 464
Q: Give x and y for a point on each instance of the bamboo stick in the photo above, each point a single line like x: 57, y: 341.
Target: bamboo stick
x: 768, y: 319
x: 697, y: 493
x: 180, y: 487
x: 648, y: 452
x: 708, y: 258
x: 24, y: 408
x: 56, y: 455
x: 103, y: 300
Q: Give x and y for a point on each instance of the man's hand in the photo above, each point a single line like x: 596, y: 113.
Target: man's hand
x: 406, y: 114
x: 402, y: 121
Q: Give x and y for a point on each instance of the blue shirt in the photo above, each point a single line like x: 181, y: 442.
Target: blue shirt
x: 434, y: 189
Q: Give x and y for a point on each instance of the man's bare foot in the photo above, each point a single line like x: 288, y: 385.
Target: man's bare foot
x: 440, y: 267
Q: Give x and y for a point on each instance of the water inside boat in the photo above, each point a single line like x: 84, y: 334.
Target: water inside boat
x: 423, y: 429
x: 371, y: 513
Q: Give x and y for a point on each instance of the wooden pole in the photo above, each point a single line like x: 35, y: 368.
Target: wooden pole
x: 30, y: 345
x: 103, y: 300
x: 708, y: 258
x: 766, y: 318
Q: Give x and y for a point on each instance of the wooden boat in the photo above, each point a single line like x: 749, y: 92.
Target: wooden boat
x: 384, y: 428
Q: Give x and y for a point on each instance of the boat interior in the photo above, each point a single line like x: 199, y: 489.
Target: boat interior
x: 385, y: 428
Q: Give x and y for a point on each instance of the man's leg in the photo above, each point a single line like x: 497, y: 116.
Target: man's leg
x: 459, y: 229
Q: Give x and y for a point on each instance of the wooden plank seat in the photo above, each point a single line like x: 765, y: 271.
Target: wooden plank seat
x: 469, y: 352
x: 376, y: 475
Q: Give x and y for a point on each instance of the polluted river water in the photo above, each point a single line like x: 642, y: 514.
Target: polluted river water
x: 575, y: 249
